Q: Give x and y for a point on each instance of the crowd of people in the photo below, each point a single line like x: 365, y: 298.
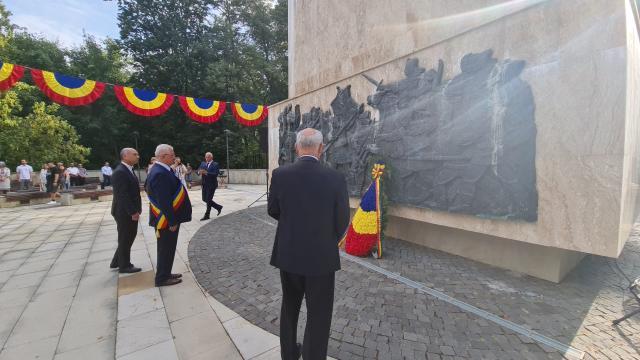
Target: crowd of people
x: 52, y: 178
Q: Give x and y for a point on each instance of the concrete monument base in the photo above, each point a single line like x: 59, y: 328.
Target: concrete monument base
x: 543, y: 262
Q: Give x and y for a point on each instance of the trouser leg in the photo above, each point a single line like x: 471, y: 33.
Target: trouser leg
x: 319, y: 299
x: 292, y: 294
x: 166, y: 253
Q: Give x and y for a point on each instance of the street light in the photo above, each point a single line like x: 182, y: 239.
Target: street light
x: 226, y: 135
x: 135, y: 138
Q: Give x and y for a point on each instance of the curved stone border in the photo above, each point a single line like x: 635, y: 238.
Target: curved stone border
x: 374, y: 317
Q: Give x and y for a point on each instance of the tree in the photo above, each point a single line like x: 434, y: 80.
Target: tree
x: 40, y: 136
x: 104, y: 125
x: 203, y: 48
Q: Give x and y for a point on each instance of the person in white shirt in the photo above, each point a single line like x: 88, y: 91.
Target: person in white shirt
x: 24, y: 171
x: 43, y: 177
x: 180, y: 170
x: 73, y: 172
x: 106, y: 175
x: 82, y: 175
x: 5, y: 178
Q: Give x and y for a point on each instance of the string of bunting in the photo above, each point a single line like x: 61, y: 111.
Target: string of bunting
x: 74, y: 91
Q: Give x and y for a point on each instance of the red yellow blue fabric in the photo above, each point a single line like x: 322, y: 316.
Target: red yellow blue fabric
x: 365, y: 229
x: 162, y: 222
x: 202, y: 110
x: 10, y: 74
x: 143, y: 102
x: 249, y: 114
x: 67, y: 90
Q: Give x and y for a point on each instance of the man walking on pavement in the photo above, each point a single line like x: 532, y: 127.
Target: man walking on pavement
x: 209, y: 171
x: 311, y: 203
x: 126, y: 209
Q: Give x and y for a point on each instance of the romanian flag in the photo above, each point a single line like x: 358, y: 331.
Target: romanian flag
x: 143, y: 102
x: 249, y: 114
x: 67, y: 90
x: 365, y: 229
x: 9, y: 75
x: 202, y: 110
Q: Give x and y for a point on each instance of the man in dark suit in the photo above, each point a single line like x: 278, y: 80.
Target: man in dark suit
x: 209, y: 171
x: 311, y: 203
x: 125, y: 209
x: 169, y: 207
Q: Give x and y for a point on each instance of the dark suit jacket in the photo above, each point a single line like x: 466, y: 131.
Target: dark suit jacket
x: 311, y: 203
x: 209, y: 181
x: 162, y: 186
x: 126, y: 193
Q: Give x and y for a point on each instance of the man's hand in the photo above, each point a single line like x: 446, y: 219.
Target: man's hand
x: 135, y: 217
x: 173, y: 228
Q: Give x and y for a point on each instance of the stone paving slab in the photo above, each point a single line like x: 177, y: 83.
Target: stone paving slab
x: 58, y: 298
x: 376, y: 317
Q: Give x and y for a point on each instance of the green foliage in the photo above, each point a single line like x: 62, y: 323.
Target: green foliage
x: 39, y: 136
x: 233, y: 50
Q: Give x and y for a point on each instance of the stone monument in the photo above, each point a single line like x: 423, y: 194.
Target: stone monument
x: 510, y: 128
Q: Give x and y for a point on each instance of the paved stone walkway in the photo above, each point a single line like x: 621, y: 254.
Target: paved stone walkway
x: 378, y: 317
x: 59, y: 300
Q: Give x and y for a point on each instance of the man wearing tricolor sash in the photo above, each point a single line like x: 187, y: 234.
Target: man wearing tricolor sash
x: 169, y: 206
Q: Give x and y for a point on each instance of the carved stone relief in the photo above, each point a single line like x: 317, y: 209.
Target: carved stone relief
x: 465, y: 145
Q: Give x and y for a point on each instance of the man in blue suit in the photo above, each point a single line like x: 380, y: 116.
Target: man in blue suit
x: 209, y: 171
x: 169, y: 206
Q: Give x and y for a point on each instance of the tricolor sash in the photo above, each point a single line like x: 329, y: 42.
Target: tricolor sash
x: 161, y: 219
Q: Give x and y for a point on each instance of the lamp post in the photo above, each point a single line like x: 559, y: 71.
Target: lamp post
x: 135, y: 138
x: 226, y: 135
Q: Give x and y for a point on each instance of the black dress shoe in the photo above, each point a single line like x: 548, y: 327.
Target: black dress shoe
x: 206, y: 217
x: 220, y: 210
x: 175, y: 276
x: 169, y: 282
x: 129, y: 270
x: 113, y: 266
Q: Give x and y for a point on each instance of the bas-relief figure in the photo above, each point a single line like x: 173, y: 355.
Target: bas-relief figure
x: 465, y: 145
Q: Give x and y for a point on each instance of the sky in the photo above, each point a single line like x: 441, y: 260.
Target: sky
x: 65, y: 20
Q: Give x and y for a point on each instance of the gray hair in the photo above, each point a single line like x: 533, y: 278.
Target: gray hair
x: 163, y: 148
x: 308, y: 138
x: 124, y: 152
x: 208, y: 154
x: 2, y: 164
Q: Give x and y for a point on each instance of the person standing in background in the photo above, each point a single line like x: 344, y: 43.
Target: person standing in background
x: 180, y: 170
x: 24, y: 171
x: 72, y: 172
x: 63, y: 177
x: 189, y: 176
x: 52, y: 182
x: 5, y: 178
x: 152, y: 161
x: 43, y: 177
x: 106, y: 175
x: 82, y: 175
